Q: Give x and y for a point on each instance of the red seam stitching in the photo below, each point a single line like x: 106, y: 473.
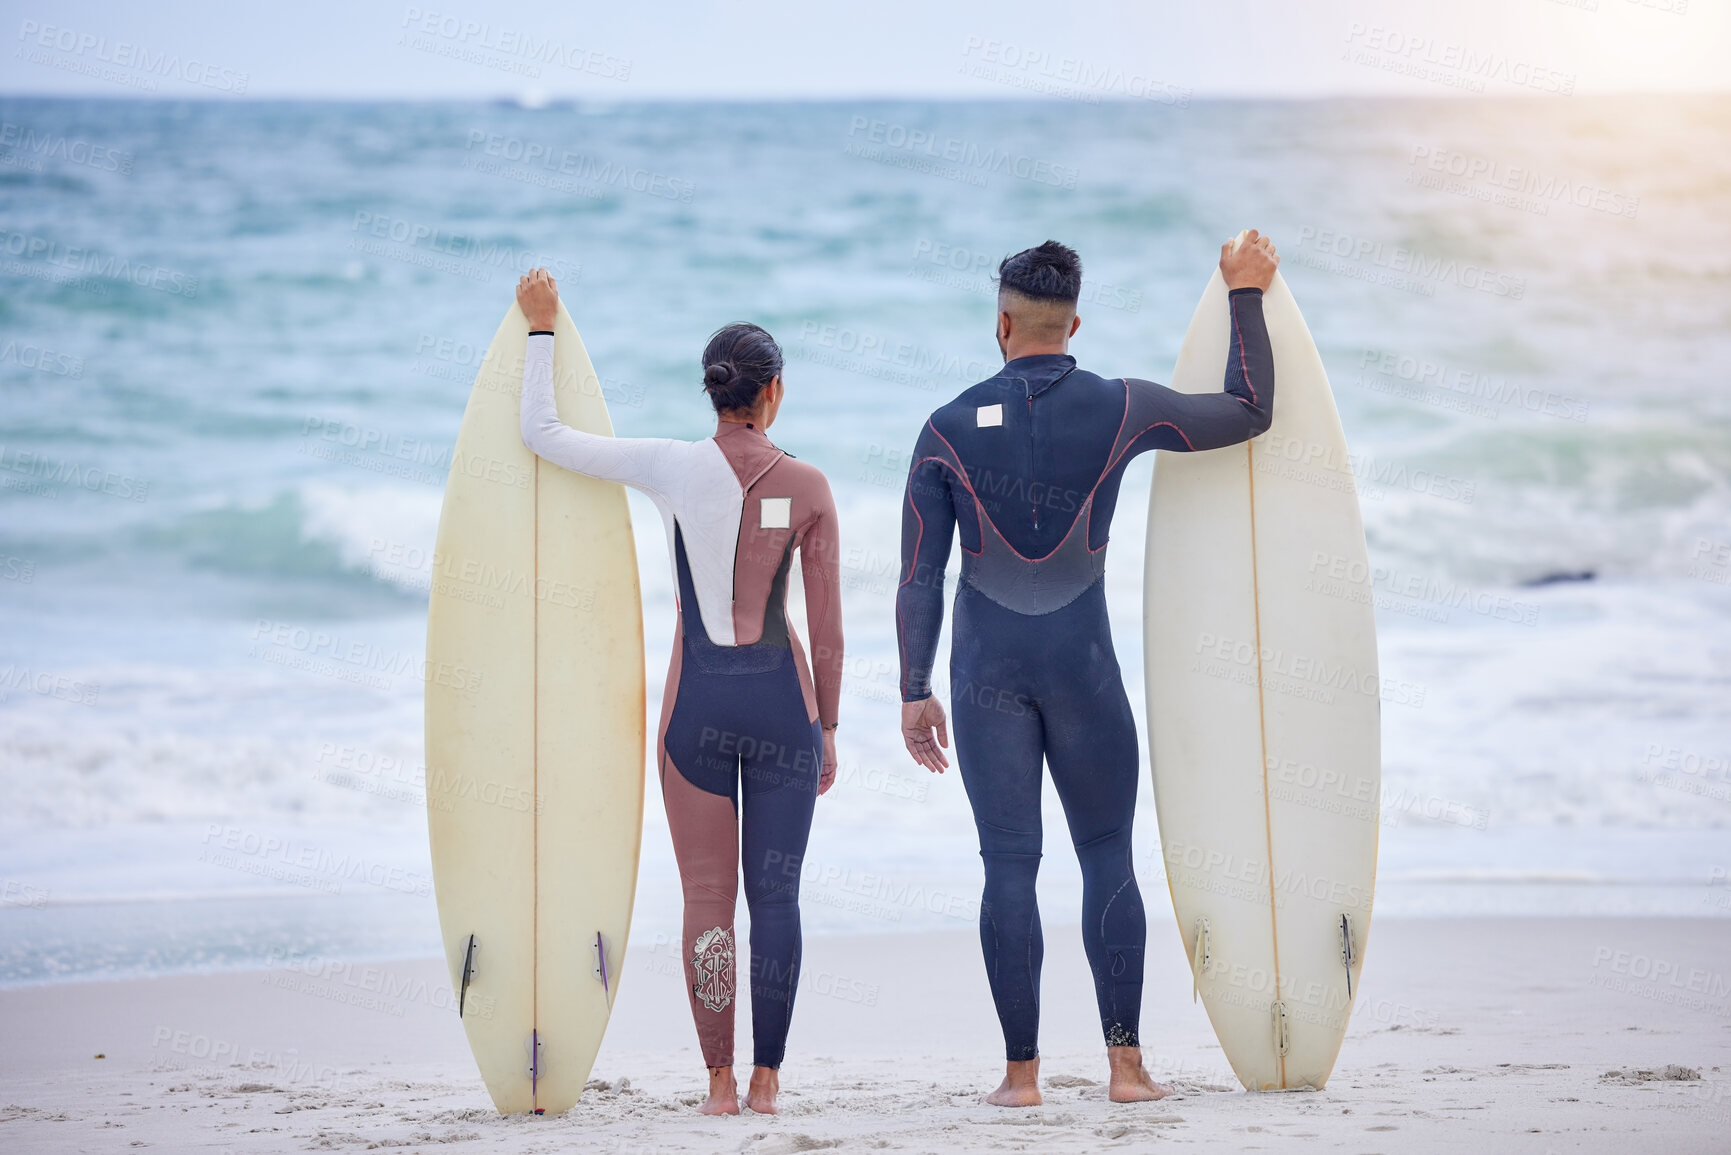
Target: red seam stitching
x: 987, y: 522
x: 1157, y: 425
x: 901, y: 624
x: 1243, y: 365
x: 978, y: 512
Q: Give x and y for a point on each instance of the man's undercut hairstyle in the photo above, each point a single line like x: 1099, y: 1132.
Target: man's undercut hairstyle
x: 1050, y: 272
x: 1039, y: 287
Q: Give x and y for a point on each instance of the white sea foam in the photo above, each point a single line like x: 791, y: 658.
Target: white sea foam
x: 385, y: 532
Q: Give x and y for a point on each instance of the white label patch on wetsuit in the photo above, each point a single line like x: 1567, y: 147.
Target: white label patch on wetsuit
x: 774, y: 512
x: 989, y: 415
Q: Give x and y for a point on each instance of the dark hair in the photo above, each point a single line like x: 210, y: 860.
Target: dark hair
x: 1048, y: 272
x: 739, y: 361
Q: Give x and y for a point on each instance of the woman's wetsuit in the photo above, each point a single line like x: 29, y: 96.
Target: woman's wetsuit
x: 740, y: 747
x: 1027, y: 465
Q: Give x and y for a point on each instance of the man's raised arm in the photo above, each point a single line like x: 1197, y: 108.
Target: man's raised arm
x: 1244, y: 409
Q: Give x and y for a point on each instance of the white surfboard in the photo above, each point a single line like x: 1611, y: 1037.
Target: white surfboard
x: 535, y: 733
x: 1264, y: 709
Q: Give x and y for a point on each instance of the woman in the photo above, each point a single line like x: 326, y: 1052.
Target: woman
x: 747, y: 736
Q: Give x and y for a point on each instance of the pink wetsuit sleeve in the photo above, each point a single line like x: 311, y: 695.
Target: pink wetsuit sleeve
x: 820, y: 564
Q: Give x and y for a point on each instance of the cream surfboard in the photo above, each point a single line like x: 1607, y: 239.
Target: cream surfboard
x: 535, y: 733
x: 1264, y: 709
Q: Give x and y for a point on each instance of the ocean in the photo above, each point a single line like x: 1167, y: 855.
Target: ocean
x: 236, y: 340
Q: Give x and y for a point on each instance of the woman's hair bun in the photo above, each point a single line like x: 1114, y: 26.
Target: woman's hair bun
x: 740, y: 361
x: 717, y: 376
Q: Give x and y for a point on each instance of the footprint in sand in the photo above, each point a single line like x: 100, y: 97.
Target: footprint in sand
x: 1670, y: 1073
x: 766, y: 1144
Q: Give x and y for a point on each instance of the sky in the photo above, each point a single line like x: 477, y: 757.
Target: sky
x: 1169, y: 51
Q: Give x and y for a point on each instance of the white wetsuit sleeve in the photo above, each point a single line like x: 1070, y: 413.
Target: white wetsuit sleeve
x: 633, y: 461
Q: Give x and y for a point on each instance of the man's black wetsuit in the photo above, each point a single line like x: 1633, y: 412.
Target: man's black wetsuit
x: 1027, y: 465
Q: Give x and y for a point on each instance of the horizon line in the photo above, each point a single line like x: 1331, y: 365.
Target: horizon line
x: 537, y: 102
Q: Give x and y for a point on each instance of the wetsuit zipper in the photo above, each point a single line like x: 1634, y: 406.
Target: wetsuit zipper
x: 1033, y: 447
x: 1028, y: 473
x: 739, y: 537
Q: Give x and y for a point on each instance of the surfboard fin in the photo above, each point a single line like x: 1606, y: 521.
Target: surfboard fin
x: 1280, y: 1033
x: 1199, y: 960
x: 533, y: 1045
x: 1347, y: 954
x: 468, y: 973
x: 601, y: 965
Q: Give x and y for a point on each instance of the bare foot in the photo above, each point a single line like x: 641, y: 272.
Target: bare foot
x: 1131, y: 1082
x: 765, y: 1086
x: 1021, y: 1086
x: 723, y: 1093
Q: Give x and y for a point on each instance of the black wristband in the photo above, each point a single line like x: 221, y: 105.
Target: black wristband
x: 540, y: 332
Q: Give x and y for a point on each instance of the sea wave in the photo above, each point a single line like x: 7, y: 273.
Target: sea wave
x: 1546, y: 482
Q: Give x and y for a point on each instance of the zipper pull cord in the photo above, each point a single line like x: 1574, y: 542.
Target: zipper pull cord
x: 1033, y: 508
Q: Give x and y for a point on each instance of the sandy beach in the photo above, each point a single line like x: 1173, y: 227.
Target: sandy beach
x: 1497, y: 1035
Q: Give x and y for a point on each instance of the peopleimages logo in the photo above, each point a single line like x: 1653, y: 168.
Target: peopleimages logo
x: 42, y: 360
x: 320, y: 651
x: 1443, y: 62
x: 1463, y: 387
x: 41, y: 475
x: 90, y: 49
x: 1470, y: 169
x: 862, y: 351
x: 48, y: 684
x: 417, y: 235
x: 887, y: 140
x: 581, y: 167
x: 1304, y: 675
x: 1661, y: 979
x: 1398, y: 259
x: 88, y: 262
x: 1067, y: 77
x: 28, y: 142
x: 447, y: 34
x: 240, y: 848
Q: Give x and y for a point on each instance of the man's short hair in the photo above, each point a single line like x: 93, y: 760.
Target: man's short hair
x: 1046, y: 272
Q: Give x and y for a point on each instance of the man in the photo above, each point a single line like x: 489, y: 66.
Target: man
x: 1026, y: 466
